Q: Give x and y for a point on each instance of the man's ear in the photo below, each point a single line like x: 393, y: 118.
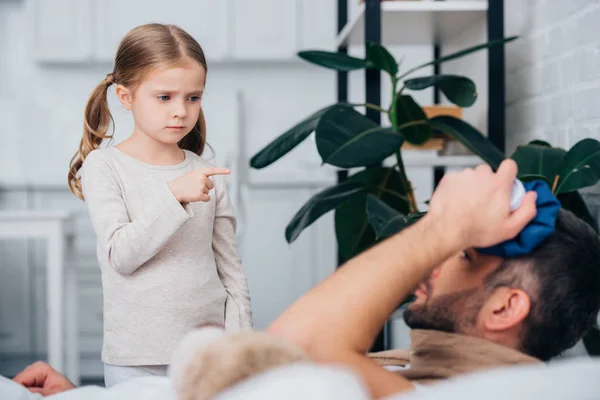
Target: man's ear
x: 125, y: 96
x: 506, y: 308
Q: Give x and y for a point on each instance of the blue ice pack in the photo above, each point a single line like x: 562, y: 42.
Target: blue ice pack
x: 537, y: 230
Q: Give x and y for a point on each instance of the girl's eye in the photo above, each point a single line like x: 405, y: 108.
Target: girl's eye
x: 164, y: 98
x: 194, y: 98
x: 466, y: 256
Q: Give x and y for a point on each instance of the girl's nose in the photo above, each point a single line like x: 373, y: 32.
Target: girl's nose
x: 179, y: 111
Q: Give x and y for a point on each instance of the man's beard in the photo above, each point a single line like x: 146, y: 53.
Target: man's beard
x: 454, y: 312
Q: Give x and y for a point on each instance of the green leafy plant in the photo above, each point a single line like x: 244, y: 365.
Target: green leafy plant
x: 378, y: 201
x: 346, y: 138
x: 565, y: 172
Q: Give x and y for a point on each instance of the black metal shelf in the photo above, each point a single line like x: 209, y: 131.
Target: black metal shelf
x: 496, y: 82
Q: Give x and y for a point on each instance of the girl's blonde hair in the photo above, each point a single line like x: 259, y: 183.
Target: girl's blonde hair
x: 143, y: 49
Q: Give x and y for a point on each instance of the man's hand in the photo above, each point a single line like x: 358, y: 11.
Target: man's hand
x: 473, y: 206
x: 42, y: 378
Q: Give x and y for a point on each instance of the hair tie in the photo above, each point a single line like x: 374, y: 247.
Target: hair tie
x: 110, y: 79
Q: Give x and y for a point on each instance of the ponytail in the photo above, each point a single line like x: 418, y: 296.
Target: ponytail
x: 97, y: 120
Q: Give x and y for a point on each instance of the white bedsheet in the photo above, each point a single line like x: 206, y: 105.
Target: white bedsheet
x: 147, y: 388
x: 575, y: 379
x: 569, y: 379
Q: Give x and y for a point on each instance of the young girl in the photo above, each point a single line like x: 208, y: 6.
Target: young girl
x: 164, y: 224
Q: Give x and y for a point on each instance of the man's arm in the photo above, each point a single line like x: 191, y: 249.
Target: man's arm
x: 338, y: 320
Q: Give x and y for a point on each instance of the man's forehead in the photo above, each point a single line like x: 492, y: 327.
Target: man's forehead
x: 485, y: 260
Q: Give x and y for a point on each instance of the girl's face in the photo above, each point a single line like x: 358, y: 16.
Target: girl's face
x: 166, y: 103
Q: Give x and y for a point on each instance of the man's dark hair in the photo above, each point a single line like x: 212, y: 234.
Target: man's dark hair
x: 562, y: 277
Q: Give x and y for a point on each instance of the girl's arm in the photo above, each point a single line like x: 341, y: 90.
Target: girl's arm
x: 228, y: 262
x: 127, y: 244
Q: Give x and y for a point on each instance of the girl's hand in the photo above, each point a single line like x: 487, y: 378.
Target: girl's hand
x: 195, y: 185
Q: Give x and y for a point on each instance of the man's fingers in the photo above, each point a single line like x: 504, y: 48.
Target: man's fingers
x: 483, y: 168
x: 522, y: 215
x: 507, y: 171
x: 215, y: 171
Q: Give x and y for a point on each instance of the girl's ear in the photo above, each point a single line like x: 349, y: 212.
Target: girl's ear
x: 125, y: 96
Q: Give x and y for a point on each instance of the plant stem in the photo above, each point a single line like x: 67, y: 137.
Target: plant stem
x: 393, y: 193
x: 410, y: 71
x: 413, y: 123
x: 369, y: 105
x: 555, y: 184
x: 406, y: 185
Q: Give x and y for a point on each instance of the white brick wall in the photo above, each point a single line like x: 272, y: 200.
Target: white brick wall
x: 552, y: 71
x: 553, y: 76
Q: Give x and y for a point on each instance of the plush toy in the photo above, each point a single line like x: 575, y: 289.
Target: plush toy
x: 209, y: 360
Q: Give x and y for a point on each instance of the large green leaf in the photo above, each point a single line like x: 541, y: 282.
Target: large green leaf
x: 470, y: 137
x: 320, y: 204
x: 331, y: 60
x: 382, y: 217
x: 381, y: 58
x: 460, y: 90
x: 353, y: 232
x: 385, y: 220
x: 573, y: 202
x: 581, y: 166
x: 534, y: 159
x: 346, y: 138
x: 287, y: 141
x: 533, y: 177
x: 540, y: 143
x: 407, y: 111
x: 462, y: 53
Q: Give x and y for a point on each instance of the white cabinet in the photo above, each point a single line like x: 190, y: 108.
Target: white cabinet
x: 205, y: 20
x: 90, y: 285
x: 14, y: 298
x: 61, y: 30
x: 265, y: 29
x: 15, y: 302
x: 89, y: 31
x: 90, y: 314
